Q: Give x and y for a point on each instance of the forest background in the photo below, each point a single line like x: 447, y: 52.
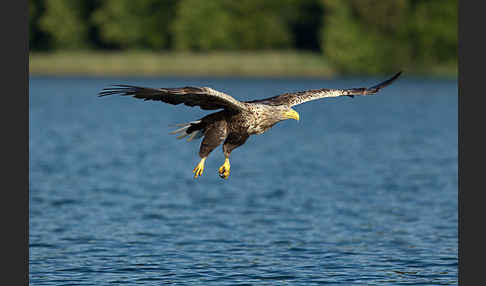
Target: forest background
x: 322, y: 38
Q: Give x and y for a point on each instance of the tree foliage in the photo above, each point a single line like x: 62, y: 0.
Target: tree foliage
x: 220, y: 24
x: 202, y: 26
x: 377, y: 36
x: 141, y: 24
x: 433, y: 30
x: 63, y: 22
x: 261, y: 24
x: 354, y: 35
x: 366, y: 35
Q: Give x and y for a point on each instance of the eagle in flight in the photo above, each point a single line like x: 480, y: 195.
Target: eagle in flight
x: 238, y: 119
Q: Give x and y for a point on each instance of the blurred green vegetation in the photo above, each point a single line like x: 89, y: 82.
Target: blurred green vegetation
x: 351, y: 36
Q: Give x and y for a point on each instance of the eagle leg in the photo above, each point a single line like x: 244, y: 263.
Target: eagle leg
x: 224, y: 170
x: 198, y: 170
x: 233, y: 141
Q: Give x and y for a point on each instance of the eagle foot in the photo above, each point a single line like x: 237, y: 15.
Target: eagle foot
x: 224, y: 170
x: 198, y: 170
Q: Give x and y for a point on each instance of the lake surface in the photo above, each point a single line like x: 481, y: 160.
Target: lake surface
x: 360, y: 191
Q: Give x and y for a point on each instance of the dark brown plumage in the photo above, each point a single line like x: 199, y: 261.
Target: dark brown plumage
x: 238, y: 119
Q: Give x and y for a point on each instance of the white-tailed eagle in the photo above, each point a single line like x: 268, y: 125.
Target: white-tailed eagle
x: 238, y: 119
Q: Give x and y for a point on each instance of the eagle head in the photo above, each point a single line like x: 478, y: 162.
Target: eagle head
x: 291, y: 114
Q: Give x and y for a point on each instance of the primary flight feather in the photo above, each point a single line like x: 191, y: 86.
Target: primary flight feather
x: 238, y: 119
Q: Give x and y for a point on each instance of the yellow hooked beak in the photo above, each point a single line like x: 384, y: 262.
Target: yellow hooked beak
x: 292, y: 114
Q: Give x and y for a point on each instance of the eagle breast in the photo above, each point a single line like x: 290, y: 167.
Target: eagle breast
x: 260, y: 117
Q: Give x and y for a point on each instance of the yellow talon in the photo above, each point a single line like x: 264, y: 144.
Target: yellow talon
x: 224, y: 170
x: 198, y: 170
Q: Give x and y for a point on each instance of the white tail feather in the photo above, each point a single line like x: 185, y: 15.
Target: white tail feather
x: 182, y: 132
x: 182, y: 136
x: 193, y: 134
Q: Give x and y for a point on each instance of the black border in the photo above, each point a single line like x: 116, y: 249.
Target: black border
x: 471, y: 48
x: 14, y: 120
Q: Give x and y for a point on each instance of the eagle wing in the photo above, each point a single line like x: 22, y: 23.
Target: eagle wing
x: 204, y: 97
x: 295, y: 98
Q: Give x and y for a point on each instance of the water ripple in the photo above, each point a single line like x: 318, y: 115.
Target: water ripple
x: 360, y: 192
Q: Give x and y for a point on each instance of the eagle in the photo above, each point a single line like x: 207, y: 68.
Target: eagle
x: 236, y: 120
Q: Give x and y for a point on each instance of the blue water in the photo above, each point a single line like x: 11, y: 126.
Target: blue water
x: 361, y: 191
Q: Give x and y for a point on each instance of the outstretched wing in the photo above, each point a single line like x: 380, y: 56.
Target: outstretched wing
x: 204, y: 97
x: 295, y: 98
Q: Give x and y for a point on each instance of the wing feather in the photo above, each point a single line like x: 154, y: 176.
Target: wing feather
x: 204, y: 97
x: 295, y: 98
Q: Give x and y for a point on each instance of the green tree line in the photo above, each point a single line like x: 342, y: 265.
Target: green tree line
x: 354, y: 35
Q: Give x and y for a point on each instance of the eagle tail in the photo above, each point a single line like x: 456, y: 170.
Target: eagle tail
x: 186, y: 130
